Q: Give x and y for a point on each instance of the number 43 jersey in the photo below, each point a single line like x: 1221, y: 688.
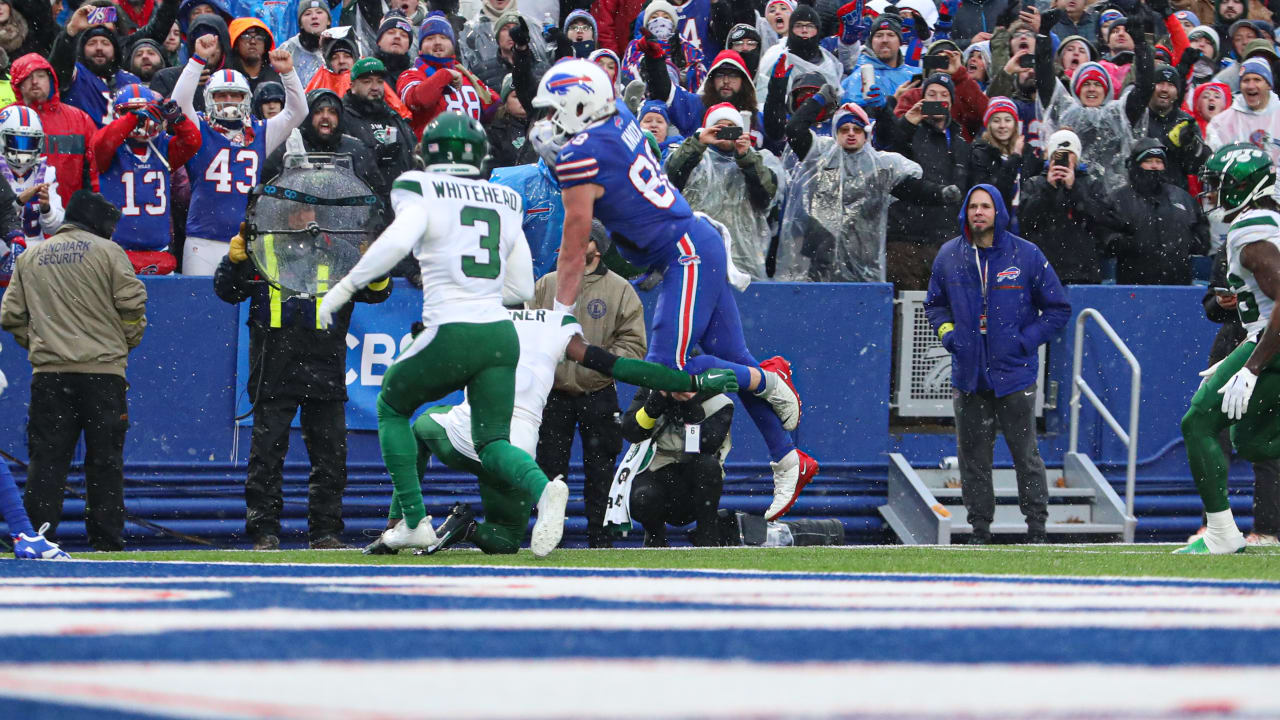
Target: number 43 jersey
x: 1255, y: 307
x: 638, y: 203
x: 222, y: 173
x: 472, y: 227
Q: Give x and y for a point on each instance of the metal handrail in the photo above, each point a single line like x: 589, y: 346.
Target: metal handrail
x: 1078, y: 385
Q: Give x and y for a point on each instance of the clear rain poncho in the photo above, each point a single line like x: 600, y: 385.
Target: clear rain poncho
x: 1105, y: 133
x: 830, y: 68
x: 306, y: 226
x: 836, y: 213
x: 717, y: 187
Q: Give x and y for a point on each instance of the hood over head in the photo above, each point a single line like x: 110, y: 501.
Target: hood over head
x: 1002, y: 217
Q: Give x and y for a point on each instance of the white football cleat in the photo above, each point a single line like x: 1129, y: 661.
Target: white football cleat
x: 1261, y: 539
x: 790, y: 476
x: 400, y: 536
x: 783, y: 396
x: 549, y: 527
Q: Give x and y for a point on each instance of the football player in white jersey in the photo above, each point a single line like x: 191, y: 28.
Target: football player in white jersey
x: 466, y: 234
x: 1242, y: 390
x: 546, y: 338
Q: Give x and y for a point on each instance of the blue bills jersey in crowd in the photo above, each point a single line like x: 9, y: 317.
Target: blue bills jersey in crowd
x: 222, y: 174
x: 694, y: 25
x: 92, y: 95
x: 639, y: 203
x: 139, y: 186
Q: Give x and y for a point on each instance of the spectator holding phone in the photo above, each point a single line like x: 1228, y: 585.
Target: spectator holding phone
x: 87, y: 61
x: 927, y: 134
x: 999, y: 156
x: 1062, y: 211
x: 967, y: 104
x: 720, y: 174
x: 879, y: 69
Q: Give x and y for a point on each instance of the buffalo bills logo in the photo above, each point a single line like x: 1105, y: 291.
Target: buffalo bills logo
x: 687, y: 260
x: 1008, y: 274
x: 1260, y: 138
x: 564, y: 82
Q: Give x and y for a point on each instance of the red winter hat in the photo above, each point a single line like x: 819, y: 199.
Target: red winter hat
x: 999, y: 104
x: 722, y: 111
x: 732, y: 59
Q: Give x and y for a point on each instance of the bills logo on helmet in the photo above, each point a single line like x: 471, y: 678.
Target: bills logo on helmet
x: 564, y: 82
x: 1008, y: 274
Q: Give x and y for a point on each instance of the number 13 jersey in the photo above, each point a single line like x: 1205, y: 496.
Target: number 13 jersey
x: 1255, y: 307
x: 472, y: 227
x: 638, y: 203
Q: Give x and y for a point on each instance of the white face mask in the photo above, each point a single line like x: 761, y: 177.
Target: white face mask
x: 543, y: 137
x: 661, y: 27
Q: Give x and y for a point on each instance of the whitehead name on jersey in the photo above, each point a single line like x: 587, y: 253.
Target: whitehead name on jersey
x: 222, y: 173
x: 544, y: 335
x: 471, y: 229
x: 1255, y: 307
x: 638, y: 203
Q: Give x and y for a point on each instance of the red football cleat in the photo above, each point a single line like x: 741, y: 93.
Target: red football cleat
x: 790, y: 476
x: 784, y: 398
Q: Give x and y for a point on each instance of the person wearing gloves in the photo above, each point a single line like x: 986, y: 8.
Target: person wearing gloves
x: 672, y: 484
x: 233, y: 149
x: 801, y: 53
x: 968, y: 103
x: 437, y: 83
x: 1252, y: 114
x: 508, y: 132
x: 1000, y: 154
x: 1185, y: 151
x: 837, y: 201
x: 322, y: 131
x: 656, y: 120
x: 1065, y: 212
x: 937, y: 144
x: 511, y: 44
x: 727, y: 82
x: 721, y: 175
x: 993, y: 300
x: 1157, y: 226
x: 1104, y: 125
x: 1071, y: 18
x: 577, y: 39
x: 313, y: 19
x: 219, y: 57
x: 888, y: 71
x: 88, y: 60
x: 658, y: 39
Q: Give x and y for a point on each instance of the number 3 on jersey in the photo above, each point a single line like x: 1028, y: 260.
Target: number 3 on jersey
x: 220, y: 170
x: 649, y: 180
x: 491, y: 266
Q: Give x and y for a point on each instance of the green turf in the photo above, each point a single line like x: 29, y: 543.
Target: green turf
x: 1093, y: 560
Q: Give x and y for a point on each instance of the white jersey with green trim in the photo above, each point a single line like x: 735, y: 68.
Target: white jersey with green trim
x: 544, y: 335
x: 1254, y: 307
x: 471, y: 228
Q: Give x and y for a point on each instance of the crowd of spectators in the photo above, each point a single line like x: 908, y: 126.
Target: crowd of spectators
x: 834, y: 143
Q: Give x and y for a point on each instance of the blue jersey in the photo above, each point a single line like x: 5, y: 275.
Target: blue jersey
x: 543, y: 211
x: 639, y: 202
x: 139, y: 186
x: 222, y: 174
x: 89, y: 93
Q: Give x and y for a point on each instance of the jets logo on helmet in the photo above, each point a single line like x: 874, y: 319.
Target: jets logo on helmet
x: 230, y: 109
x: 22, y: 137
x: 135, y: 97
x: 1236, y: 177
x: 574, y: 94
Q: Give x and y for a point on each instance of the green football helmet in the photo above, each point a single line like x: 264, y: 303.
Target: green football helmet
x: 1240, y: 174
x: 454, y: 144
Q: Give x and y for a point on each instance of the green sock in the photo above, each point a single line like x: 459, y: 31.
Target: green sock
x: 400, y: 455
x: 1200, y: 430
x: 496, y: 540
x: 512, y: 465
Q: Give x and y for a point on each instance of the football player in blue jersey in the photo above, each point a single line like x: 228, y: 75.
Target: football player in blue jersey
x: 134, y: 156
x: 607, y: 170
x: 234, y: 147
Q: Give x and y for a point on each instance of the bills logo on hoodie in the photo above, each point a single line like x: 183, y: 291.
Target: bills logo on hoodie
x: 1008, y: 274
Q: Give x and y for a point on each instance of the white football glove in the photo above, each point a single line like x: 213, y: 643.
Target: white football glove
x: 1236, y: 393
x: 334, y: 300
x: 1208, y: 373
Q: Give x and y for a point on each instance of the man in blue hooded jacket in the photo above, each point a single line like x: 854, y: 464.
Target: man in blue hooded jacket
x: 993, y: 300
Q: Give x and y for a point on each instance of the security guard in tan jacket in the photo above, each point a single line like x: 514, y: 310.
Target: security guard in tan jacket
x: 611, y: 317
x: 75, y: 303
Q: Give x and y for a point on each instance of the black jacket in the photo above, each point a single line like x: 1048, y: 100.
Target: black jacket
x: 337, y: 142
x: 508, y: 141
x: 712, y: 431
x: 987, y: 165
x: 943, y: 156
x: 386, y: 136
x: 295, y: 359
x: 1066, y: 224
x: 1155, y: 236
x: 1179, y: 161
x: 1232, y: 333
